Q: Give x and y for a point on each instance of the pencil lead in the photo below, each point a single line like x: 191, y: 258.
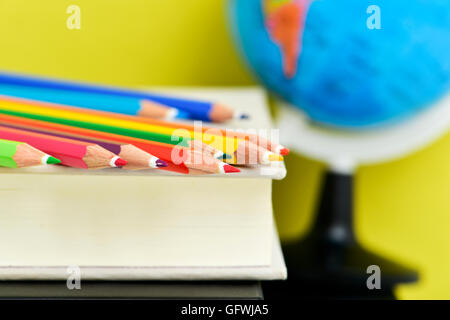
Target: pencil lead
x: 118, y: 162
x: 226, y: 156
x: 154, y: 162
x: 52, y: 160
x: 244, y: 116
x: 222, y: 155
x: 218, y: 155
x: 275, y: 157
x: 229, y: 169
x: 283, y: 151
x: 161, y: 163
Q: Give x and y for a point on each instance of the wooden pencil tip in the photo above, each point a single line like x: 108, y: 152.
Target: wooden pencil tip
x: 221, y: 113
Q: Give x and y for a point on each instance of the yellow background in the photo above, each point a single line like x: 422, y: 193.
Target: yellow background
x: 403, y: 207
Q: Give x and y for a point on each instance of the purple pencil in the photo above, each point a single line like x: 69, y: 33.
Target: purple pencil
x: 137, y: 158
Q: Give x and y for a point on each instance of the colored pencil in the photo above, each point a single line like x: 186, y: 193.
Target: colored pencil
x: 103, y: 102
x: 71, y: 152
x: 15, y: 154
x: 116, y: 105
x: 135, y: 157
x: 163, y: 151
x: 120, y: 124
x: 200, y: 110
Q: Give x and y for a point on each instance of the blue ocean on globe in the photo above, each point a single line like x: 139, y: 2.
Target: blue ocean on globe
x: 350, y: 75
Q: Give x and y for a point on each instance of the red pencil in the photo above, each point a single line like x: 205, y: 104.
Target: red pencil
x: 72, y: 153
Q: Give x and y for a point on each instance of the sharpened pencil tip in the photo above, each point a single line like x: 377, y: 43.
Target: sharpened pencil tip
x: 229, y: 169
x: 53, y: 160
x: 120, y: 162
x: 226, y: 156
x: 284, y: 151
x: 161, y: 163
x: 244, y: 116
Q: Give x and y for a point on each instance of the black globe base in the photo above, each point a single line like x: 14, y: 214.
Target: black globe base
x: 329, y: 262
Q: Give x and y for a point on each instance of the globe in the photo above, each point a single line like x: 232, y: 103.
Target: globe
x: 348, y: 63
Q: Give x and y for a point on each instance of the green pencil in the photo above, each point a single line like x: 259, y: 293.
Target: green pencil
x: 15, y: 154
x: 153, y: 136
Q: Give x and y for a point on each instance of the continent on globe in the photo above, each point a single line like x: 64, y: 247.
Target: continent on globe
x: 285, y: 21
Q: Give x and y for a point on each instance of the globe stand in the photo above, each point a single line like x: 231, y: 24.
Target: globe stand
x: 329, y: 261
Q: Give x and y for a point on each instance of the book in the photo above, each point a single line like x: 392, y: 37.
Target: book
x: 133, y: 290
x: 162, y: 226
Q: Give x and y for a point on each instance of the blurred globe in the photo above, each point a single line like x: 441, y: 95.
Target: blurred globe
x: 329, y: 58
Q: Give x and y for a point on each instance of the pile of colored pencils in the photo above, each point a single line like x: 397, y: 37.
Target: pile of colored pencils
x: 91, y: 126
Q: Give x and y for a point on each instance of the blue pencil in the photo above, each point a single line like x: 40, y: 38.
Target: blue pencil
x: 103, y: 102
x: 200, y: 110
